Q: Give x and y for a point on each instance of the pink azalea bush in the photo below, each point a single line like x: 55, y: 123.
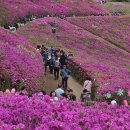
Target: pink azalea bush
x: 14, y: 9
x: 97, y: 57
x: 19, y: 60
x: 23, y: 113
x: 116, y: 30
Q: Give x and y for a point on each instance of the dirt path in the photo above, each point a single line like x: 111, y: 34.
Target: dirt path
x: 51, y: 84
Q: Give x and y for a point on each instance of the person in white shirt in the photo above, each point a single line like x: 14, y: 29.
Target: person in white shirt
x: 87, y: 84
x: 12, y: 28
x: 113, y: 102
x: 59, y: 91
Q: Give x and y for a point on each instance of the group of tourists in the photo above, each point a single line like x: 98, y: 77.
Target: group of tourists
x: 117, y: 13
x: 55, y: 60
x: 14, y: 27
x: 28, y: 18
x: 11, y: 27
x: 61, y: 16
x: 60, y: 94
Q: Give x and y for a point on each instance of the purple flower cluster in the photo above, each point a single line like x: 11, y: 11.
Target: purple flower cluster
x: 23, y: 113
x: 19, y: 60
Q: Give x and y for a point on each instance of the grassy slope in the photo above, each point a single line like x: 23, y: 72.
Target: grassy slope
x: 118, y: 7
x: 3, y: 13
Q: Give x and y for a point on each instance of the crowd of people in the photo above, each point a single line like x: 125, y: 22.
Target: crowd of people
x: 14, y: 27
x: 117, y: 13
x: 27, y: 18
x: 55, y: 60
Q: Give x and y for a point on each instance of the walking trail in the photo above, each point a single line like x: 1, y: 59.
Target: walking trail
x: 51, y: 84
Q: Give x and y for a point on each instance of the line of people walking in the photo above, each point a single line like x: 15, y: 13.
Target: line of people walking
x: 55, y: 60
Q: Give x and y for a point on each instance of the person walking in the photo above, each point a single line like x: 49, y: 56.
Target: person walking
x: 51, y: 63
x: 44, y: 57
x: 63, y: 58
x: 87, y: 84
x: 56, y: 69
x: 65, y: 72
x: 71, y: 96
x: 85, y: 96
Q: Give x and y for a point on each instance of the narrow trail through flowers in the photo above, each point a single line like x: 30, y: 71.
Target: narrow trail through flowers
x: 51, y: 84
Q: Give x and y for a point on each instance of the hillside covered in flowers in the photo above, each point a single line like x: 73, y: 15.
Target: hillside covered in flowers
x: 13, y: 10
x: 19, y: 60
x: 99, y: 57
x: 99, y: 44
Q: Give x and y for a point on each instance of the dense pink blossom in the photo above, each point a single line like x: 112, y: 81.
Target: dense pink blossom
x: 21, y: 112
x: 14, y: 9
x: 19, y: 60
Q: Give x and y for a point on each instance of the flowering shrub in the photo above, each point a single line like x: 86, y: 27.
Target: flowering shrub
x: 19, y: 60
x: 23, y: 113
x: 96, y: 56
x: 14, y: 9
x: 116, y: 30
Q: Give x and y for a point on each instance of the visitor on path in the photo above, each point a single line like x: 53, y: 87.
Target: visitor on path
x: 64, y: 95
x: 71, y: 96
x: 53, y: 96
x: 59, y: 91
x: 38, y: 48
x: 85, y: 96
x: 23, y: 91
x: 56, y: 69
x: 51, y: 63
x: 16, y: 26
x: 51, y: 51
x: 87, y: 84
x: 6, y: 26
x: 41, y: 94
x: 57, y: 53
x: 65, y: 73
x: 63, y: 59
x: 113, y: 102
x: 44, y: 57
x: 12, y: 28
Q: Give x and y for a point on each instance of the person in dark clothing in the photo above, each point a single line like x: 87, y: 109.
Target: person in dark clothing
x: 65, y: 72
x: 44, y: 57
x: 63, y: 59
x: 6, y: 26
x: 56, y: 69
x: 64, y: 95
x: 16, y: 26
x: 71, y: 96
x: 51, y: 63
